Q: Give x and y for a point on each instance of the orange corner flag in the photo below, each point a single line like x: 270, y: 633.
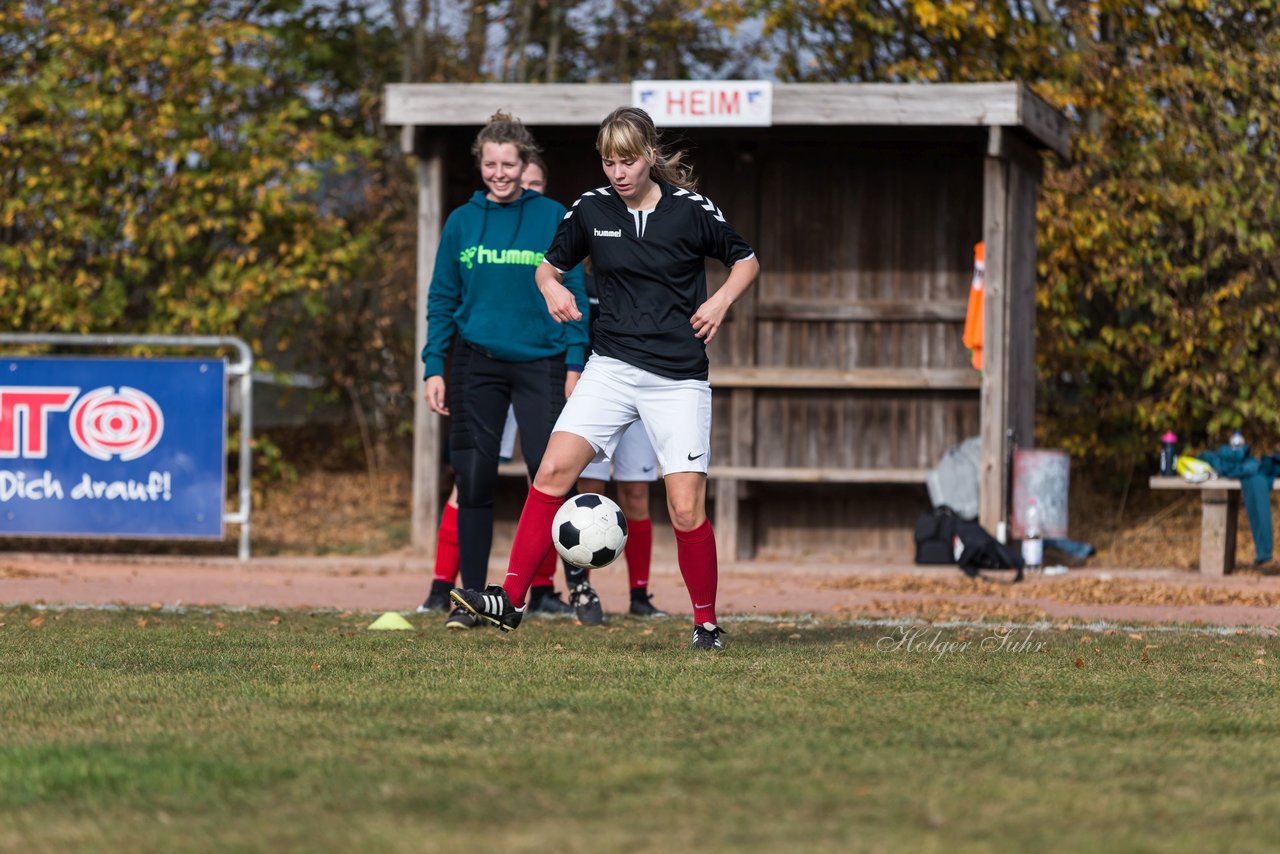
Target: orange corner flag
x: 973, y: 317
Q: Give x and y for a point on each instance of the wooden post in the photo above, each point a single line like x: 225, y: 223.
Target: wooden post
x: 1219, y: 509
x: 426, y: 424
x: 992, y: 476
x: 1010, y: 183
x: 1025, y: 168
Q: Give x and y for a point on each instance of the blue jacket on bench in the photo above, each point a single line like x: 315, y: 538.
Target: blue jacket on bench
x: 1255, y: 476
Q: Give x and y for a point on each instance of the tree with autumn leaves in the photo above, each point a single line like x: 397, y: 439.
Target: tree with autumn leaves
x: 1158, y: 287
x: 159, y: 173
x: 217, y: 166
x: 1158, y: 298
x: 197, y: 167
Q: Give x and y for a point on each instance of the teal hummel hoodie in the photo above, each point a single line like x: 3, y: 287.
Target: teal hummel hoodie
x: 483, y: 289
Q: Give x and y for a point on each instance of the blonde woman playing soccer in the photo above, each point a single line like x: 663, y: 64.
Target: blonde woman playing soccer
x: 647, y: 233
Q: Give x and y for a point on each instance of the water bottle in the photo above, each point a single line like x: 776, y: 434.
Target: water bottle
x: 1169, y: 455
x: 1032, y: 542
x: 1237, y: 440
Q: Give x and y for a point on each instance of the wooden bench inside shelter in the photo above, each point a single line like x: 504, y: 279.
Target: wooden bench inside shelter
x: 1220, y: 508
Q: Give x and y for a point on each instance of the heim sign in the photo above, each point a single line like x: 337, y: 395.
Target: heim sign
x: 112, y: 447
x: 705, y: 103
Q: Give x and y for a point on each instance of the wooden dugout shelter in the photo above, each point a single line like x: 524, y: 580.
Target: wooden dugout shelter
x: 841, y: 377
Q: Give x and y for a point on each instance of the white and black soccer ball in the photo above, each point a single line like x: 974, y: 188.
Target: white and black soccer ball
x: 589, y: 531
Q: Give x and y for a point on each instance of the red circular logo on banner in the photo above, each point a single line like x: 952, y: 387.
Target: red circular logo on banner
x: 106, y: 423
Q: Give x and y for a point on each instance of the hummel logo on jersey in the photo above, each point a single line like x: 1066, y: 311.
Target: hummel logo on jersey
x: 695, y: 456
x: 600, y: 232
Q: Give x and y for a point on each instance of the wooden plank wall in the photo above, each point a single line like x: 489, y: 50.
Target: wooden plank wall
x: 867, y: 251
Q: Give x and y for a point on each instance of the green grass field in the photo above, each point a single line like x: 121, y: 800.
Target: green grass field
x: 133, y: 730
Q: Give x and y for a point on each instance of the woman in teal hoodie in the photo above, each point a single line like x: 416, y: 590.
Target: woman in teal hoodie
x: 484, y: 306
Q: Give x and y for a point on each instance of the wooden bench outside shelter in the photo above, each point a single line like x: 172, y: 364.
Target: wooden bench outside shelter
x: 1219, y: 511
x: 844, y: 365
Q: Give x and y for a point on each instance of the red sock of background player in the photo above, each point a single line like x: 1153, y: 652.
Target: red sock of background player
x: 696, y: 553
x: 446, y: 569
x: 533, y: 540
x: 639, y: 551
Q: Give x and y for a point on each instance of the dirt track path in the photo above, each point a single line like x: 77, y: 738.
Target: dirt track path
x: 398, y: 583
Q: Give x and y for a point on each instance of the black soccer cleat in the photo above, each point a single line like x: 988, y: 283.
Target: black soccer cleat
x: 549, y: 604
x: 642, y: 606
x: 437, y: 599
x: 707, y: 636
x: 492, y: 605
x: 461, y: 620
x: 586, y: 605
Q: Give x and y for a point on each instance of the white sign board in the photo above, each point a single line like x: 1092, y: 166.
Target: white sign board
x: 705, y: 103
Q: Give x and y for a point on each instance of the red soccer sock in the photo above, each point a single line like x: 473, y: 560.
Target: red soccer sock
x: 532, y: 542
x: 639, y: 551
x: 447, y: 547
x: 696, y: 553
x: 545, y: 577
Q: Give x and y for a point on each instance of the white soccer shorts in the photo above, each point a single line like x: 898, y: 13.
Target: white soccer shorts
x: 612, y: 394
x: 633, y: 461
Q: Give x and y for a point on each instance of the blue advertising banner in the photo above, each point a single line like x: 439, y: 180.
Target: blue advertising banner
x: 112, y: 447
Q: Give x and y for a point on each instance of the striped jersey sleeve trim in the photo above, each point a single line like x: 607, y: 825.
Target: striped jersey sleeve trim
x: 703, y: 202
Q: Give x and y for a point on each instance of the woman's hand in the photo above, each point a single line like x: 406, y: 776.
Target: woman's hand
x: 707, y: 319
x: 570, y: 382
x: 560, y: 302
x: 434, y: 393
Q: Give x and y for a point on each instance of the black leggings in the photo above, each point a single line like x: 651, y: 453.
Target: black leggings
x: 481, y: 389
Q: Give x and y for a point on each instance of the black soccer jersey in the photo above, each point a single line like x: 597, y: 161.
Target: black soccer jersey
x: 650, y: 273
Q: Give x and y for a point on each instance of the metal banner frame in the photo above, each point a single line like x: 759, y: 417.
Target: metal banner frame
x: 241, y: 368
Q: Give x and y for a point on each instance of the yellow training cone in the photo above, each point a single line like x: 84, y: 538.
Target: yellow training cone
x: 390, y: 621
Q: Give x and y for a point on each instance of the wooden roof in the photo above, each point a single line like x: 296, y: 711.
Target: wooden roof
x: 922, y: 105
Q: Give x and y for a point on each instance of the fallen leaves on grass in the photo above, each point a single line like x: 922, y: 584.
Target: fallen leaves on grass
x: 942, y: 609
x: 326, y: 512
x: 1078, y: 591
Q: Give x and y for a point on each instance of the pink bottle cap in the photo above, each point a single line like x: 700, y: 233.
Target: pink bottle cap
x: 1169, y: 437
